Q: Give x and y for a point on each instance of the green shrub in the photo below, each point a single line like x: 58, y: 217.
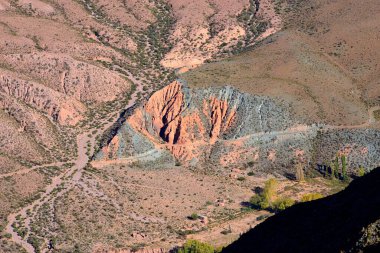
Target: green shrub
x: 361, y: 172
x: 194, y: 246
x: 311, y: 196
x: 283, y: 203
x: 8, y: 236
x: 267, y: 198
x: 194, y: 216
x: 259, y: 202
x: 264, y: 199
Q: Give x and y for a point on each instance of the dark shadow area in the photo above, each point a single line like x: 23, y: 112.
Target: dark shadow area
x: 332, y: 224
x: 246, y: 204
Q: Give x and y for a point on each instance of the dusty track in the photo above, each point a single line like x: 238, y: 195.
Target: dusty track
x: 25, y: 171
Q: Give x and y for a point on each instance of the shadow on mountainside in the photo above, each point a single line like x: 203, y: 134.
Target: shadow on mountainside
x: 348, y: 221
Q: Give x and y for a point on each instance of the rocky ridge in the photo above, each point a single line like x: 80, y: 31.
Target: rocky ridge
x: 224, y: 126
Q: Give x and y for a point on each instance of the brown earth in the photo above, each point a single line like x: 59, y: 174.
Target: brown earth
x: 324, y: 62
x: 69, y: 69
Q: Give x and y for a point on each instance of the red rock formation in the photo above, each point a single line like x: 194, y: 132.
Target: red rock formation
x: 168, y: 120
x: 220, y: 120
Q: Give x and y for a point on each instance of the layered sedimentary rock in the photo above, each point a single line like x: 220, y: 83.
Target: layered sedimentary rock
x: 189, y: 122
x: 227, y: 127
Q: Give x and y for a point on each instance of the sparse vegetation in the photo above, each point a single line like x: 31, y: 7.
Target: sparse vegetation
x: 311, y: 196
x: 361, y: 171
x: 282, y: 203
x: 193, y: 246
x: 194, y: 216
x: 77, y: 79
x: 267, y: 198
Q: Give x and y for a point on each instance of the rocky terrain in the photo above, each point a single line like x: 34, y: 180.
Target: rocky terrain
x: 223, y: 126
x: 122, y: 120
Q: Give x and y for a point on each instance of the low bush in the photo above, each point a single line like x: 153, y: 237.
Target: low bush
x: 193, y: 216
x: 194, y: 246
x: 259, y: 202
x: 267, y: 199
x: 311, y: 196
x: 282, y: 203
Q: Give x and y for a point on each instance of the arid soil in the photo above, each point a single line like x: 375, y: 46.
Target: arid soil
x: 58, y: 186
x: 120, y: 119
x: 324, y: 62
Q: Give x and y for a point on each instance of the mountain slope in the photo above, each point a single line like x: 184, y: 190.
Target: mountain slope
x: 324, y: 62
x: 342, y: 222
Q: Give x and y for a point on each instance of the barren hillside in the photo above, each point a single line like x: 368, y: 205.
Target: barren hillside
x: 119, y: 119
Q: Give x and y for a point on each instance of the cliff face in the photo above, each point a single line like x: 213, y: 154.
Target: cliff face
x: 227, y: 127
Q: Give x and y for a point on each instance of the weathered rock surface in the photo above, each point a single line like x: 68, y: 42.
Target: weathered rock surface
x: 64, y: 110
x: 78, y: 79
x: 227, y: 127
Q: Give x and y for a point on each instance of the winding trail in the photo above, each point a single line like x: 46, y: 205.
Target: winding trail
x: 63, y: 182
x: 146, y: 156
x: 25, y: 171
